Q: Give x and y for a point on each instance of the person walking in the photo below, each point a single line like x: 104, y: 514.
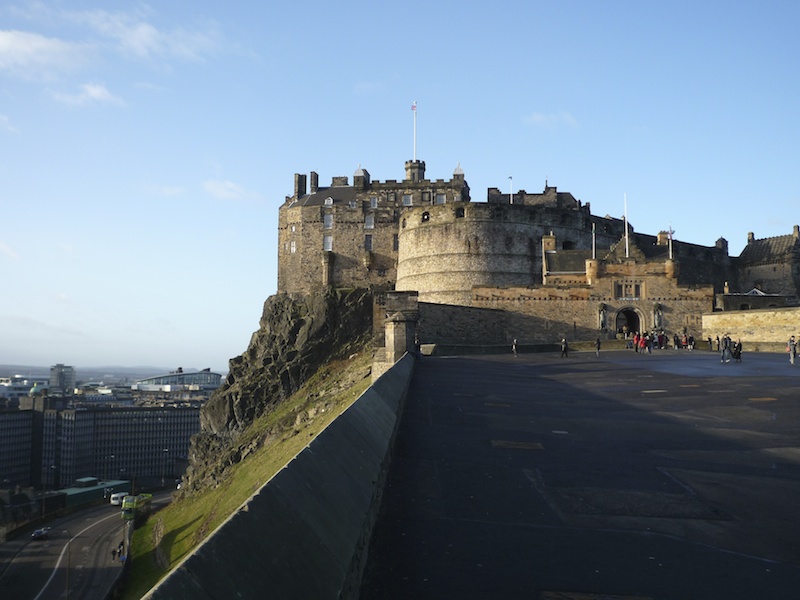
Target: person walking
x: 514, y: 346
x: 597, y: 347
x: 564, y: 348
x: 791, y: 347
x: 725, y: 343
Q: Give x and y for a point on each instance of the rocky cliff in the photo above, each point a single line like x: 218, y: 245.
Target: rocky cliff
x: 297, y: 335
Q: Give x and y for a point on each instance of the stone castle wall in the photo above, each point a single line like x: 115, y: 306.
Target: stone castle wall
x: 773, y: 326
x: 444, y: 251
x: 347, y: 236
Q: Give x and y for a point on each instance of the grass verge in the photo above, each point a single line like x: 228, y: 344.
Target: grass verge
x: 170, y: 534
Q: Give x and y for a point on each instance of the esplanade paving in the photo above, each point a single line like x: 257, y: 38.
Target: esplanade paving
x: 663, y: 476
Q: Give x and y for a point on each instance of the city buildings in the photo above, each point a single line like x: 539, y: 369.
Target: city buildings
x: 140, y: 432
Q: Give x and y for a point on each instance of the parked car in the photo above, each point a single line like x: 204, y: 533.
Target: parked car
x: 41, y: 534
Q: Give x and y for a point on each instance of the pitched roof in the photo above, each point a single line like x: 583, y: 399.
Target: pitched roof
x: 769, y: 250
x: 339, y: 194
x: 567, y: 261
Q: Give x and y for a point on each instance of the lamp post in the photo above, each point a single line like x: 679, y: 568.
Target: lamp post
x: 109, y: 461
x: 69, y: 556
x: 164, y: 465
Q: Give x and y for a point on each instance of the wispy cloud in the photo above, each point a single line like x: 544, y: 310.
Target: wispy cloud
x: 5, y: 124
x: 89, y: 93
x: 366, y: 87
x: 225, y: 189
x: 134, y: 35
x: 8, y: 251
x: 165, y: 190
x: 33, y: 56
x: 559, y: 119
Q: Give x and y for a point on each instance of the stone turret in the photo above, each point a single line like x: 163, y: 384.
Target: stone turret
x: 415, y: 170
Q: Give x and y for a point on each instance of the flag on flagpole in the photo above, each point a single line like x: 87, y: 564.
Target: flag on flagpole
x: 414, y: 106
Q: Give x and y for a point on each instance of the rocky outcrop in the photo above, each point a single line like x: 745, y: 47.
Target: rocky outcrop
x: 297, y: 334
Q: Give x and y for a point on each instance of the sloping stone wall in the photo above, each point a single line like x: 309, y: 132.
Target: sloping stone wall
x: 304, y: 534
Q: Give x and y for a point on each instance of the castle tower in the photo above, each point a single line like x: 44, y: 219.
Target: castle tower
x: 415, y: 170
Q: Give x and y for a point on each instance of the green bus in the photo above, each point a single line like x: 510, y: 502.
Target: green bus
x: 136, y: 508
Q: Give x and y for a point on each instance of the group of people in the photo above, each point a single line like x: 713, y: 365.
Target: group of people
x: 729, y: 350
x: 646, y: 341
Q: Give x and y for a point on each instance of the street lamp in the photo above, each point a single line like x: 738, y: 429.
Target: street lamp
x: 164, y: 465
x: 69, y: 556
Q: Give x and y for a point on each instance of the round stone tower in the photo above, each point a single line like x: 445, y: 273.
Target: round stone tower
x: 445, y: 250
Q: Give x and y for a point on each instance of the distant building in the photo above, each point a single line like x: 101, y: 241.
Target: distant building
x: 62, y: 379
x: 18, y: 386
x: 179, y: 380
x: 46, y: 444
x: 16, y: 440
x: 142, y: 443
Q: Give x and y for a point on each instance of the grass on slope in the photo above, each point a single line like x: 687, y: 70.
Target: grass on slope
x: 172, y: 533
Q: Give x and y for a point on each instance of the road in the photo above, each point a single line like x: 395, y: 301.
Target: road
x: 75, y: 562
x: 663, y: 476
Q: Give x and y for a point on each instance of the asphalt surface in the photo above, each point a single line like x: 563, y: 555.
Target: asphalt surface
x: 663, y: 476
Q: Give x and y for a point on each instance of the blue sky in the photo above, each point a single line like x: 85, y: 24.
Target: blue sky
x: 145, y: 148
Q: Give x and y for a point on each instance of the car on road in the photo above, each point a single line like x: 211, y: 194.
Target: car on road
x: 42, y: 533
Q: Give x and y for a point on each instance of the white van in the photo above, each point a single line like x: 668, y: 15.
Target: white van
x: 116, y: 498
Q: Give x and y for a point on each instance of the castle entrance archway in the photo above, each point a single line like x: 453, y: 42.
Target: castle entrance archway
x: 628, y: 321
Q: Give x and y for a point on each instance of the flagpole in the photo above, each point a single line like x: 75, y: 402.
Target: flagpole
x: 510, y: 189
x: 414, y: 110
x: 627, y: 245
x: 670, y: 241
x: 594, y: 242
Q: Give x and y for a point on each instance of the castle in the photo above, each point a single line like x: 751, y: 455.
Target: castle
x: 531, y: 266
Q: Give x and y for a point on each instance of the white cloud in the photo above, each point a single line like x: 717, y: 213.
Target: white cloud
x: 33, y: 56
x: 89, y: 93
x: 225, y: 189
x: 551, y: 120
x: 134, y: 35
x: 30, y: 55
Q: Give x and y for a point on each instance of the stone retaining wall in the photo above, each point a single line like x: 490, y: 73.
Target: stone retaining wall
x: 305, y: 533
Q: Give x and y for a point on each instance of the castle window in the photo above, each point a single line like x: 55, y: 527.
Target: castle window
x: 352, y: 204
x: 426, y: 216
x: 396, y: 242
x: 327, y: 221
x: 292, y: 228
x: 292, y: 246
x: 440, y: 199
x: 627, y: 290
x: 369, y: 221
x: 328, y: 201
x: 426, y: 197
x: 327, y: 243
x: 406, y: 199
x: 392, y: 197
x: 460, y: 212
x: 373, y: 202
x: 368, y: 242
